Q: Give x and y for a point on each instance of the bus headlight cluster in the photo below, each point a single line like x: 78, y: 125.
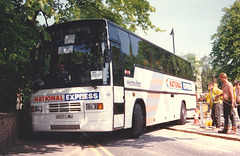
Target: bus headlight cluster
x: 94, y: 106
x: 36, y: 108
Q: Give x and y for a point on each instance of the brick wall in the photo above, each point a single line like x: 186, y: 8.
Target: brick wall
x: 13, y: 126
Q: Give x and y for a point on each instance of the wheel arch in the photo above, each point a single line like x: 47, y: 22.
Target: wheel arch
x: 138, y: 119
x: 143, y: 107
x: 183, y: 113
x: 184, y: 103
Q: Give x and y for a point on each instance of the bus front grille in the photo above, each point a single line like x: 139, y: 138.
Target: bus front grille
x: 64, y: 107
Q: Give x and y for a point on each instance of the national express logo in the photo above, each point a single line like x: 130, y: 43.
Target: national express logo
x: 175, y: 84
x: 66, y: 97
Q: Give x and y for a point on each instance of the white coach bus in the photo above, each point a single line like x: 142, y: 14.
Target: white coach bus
x: 94, y: 76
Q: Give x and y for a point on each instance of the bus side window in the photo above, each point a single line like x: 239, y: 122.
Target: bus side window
x: 141, y: 51
x: 189, y: 74
x: 113, y: 34
x: 117, y: 64
x: 172, y: 61
x: 187, y: 70
x: 144, y: 54
x: 134, y: 45
x: 158, y: 59
x: 175, y: 66
x: 126, y: 52
x: 179, y: 67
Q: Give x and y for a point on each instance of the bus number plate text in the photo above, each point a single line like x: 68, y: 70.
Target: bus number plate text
x: 64, y: 116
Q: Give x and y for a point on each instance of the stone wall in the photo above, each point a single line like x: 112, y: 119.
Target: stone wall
x: 13, y: 126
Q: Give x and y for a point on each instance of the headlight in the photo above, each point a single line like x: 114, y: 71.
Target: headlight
x: 36, y: 108
x: 94, y: 106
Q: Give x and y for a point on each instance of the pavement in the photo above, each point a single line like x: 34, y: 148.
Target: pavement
x: 206, y: 129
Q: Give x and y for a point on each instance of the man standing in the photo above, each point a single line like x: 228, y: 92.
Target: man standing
x: 215, y: 104
x: 228, y: 104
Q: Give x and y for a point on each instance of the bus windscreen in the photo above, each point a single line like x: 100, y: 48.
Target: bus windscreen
x: 71, y: 58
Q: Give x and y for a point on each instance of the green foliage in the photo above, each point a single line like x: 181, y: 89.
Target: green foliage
x: 126, y: 13
x: 18, y: 37
x: 201, y: 68
x: 195, y: 63
x: 226, y: 43
x: 206, y: 73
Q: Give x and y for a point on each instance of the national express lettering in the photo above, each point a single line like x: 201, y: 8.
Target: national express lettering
x: 175, y: 84
x: 67, y: 97
x: 187, y: 86
x: 82, y: 96
x: 49, y: 98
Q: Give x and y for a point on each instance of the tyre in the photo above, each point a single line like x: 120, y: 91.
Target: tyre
x: 183, y: 115
x: 137, y: 122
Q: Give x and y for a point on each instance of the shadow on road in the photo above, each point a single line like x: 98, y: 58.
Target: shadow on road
x: 49, y: 143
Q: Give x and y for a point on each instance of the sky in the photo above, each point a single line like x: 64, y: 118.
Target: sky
x: 193, y: 21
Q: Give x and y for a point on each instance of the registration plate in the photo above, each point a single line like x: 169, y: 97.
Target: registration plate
x: 64, y: 116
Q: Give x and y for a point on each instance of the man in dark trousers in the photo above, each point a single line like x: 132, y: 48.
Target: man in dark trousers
x: 228, y: 104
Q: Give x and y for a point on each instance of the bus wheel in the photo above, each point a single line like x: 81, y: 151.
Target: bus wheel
x: 183, y: 115
x: 137, y: 121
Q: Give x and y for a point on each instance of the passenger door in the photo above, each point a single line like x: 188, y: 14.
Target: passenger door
x: 118, y: 91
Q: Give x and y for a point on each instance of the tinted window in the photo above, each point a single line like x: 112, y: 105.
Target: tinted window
x: 159, y: 59
x: 144, y: 54
x: 72, y: 59
x: 189, y: 74
x: 113, y: 34
x: 179, y: 67
x: 141, y: 52
x: 117, y: 64
x: 137, y: 51
x: 126, y: 52
x: 135, y: 45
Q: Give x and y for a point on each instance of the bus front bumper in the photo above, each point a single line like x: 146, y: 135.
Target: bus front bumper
x: 99, y: 126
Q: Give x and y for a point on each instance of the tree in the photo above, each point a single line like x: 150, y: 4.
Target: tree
x: 18, y: 38
x: 202, y: 70
x: 226, y: 43
x: 126, y: 13
x: 19, y: 31
x: 196, y: 66
x: 194, y: 61
x: 206, y: 73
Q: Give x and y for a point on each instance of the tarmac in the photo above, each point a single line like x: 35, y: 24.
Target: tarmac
x: 206, y: 129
